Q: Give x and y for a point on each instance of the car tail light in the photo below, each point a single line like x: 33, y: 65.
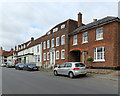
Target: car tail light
x: 76, y: 69
x: 85, y: 68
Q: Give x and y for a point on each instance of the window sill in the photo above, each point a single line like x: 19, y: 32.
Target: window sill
x: 74, y: 44
x: 62, y: 58
x: 99, y: 61
x: 99, y: 39
x: 57, y: 45
x: 84, y: 42
x: 57, y: 58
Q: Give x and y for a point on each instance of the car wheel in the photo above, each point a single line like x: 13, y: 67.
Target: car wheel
x: 83, y: 75
x: 71, y: 75
x: 55, y: 73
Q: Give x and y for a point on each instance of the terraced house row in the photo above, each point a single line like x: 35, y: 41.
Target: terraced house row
x: 73, y: 41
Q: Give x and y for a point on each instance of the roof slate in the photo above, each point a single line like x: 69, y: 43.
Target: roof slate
x: 89, y: 26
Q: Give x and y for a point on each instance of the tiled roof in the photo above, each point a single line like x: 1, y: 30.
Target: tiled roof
x: 89, y: 26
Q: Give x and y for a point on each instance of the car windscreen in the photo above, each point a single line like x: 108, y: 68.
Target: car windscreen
x: 79, y: 65
x: 33, y: 65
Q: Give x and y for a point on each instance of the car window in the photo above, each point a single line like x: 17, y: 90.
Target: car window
x: 62, y: 65
x: 79, y: 65
x: 68, y: 65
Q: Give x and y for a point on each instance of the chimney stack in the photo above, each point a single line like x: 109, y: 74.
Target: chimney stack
x: 11, y: 49
x: 79, y: 19
x: 94, y: 20
x: 1, y: 48
x: 15, y: 48
x: 32, y: 39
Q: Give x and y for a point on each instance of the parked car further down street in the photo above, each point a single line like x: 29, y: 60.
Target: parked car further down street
x: 71, y: 69
x: 3, y: 65
x: 10, y: 64
x: 30, y: 67
x: 19, y: 66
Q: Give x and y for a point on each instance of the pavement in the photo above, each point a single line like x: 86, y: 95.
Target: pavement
x: 42, y: 82
x: 113, y: 75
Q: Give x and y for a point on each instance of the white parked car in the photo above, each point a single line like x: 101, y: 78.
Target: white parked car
x: 10, y: 64
x: 71, y: 69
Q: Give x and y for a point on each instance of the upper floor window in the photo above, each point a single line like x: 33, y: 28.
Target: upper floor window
x: 99, y: 33
x: 62, y: 26
x: 63, y: 54
x: 57, y: 41
x: 48, y: 33
x: 37, y: 48
x: 63, y: 40
x: 85, y: 37
x: 99, y: 54
x: 33, y: 50
x: 75, y: 40
x: 44, y: 46
x: 48, y: 43
x: 52, y: 42
x: 55, y: 29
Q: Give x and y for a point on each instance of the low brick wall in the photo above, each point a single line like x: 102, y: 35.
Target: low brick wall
x: 102, y: 71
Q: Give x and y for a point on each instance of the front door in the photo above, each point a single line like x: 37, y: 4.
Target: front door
x: 84, y: 57
x: 53, y: 57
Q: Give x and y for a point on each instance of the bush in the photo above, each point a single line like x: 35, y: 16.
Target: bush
x: 90, y: 59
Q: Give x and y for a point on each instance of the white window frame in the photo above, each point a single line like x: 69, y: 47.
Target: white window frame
x: 75, y: 40
x: 33, y: 50
x: 49, y: 33
x: 48, y: 44
x: 38, y: 58
x: 44, y: 57
x: 48, y: 57
x: 35, y: 58
x: 96, y: 54
x: 62, y: 42
x: 62, y: 26
x: 52, y: 43
x: 84, y: 37
x: 44, y: 45
x: 62, y: 54
x: 99, y: 33
x: 57, y: 52
x: 57, y: 43
x: 37, y: 47
x: 55, y: 29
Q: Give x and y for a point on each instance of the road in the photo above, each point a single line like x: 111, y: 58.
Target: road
x: 39, y: 82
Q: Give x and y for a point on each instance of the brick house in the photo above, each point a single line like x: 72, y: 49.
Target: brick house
x: 73, y: 41
x: 99, y: 39
x: 55, y: 47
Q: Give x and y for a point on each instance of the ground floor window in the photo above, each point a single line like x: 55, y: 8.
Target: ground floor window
x: 38, y: 58
x: 44, y: 57
x: 63, y: 54
x: 57, y: 55
x: 99, y: 54
x: 48, y: 56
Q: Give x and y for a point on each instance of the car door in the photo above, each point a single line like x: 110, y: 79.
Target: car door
x: 67, y: 68
x: 60, y: 68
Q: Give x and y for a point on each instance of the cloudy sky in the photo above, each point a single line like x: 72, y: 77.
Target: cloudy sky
x: 22, y: 20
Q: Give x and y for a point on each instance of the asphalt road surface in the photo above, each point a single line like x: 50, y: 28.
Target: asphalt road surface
x: 39, y: 82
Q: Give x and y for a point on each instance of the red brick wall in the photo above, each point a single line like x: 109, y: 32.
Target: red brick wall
x: 70, y: 26
x: 108, y: 42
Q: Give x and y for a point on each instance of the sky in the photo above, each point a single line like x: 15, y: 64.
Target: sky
x: 19, y: 21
